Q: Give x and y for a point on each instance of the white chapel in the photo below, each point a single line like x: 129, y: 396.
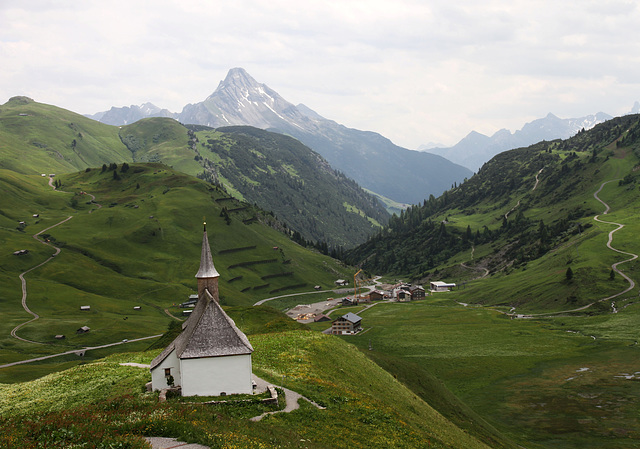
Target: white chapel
x: 211, y: 356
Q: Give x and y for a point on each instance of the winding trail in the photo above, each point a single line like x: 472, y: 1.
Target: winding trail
x: 535, y: 186
x: 23, y: 281
x: 614, y: 266
x: 35, y: 316
x: 291, y: 399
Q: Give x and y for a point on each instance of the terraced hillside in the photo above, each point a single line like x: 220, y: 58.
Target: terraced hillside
x: 136, y: 244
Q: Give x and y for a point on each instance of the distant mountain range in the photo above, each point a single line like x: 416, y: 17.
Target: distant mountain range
x: 476, y: 149
x: 372, y: 160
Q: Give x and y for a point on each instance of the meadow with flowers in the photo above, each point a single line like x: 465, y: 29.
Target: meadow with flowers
x: 105, y: 405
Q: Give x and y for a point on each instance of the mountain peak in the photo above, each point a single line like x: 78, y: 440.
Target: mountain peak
x: 239, y: 76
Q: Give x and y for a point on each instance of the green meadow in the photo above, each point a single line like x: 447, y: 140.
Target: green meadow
x: 104, y: 401
x: 561, y: 382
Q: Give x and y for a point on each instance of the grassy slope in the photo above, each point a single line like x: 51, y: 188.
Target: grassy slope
x: 541, y: 285
x: 161, y: 139
x: 117, y: 257
x: 42, y: 140
x: 527, y: 378
x: 365, y: 406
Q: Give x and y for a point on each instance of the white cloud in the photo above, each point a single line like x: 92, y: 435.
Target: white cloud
x: 414, y: 71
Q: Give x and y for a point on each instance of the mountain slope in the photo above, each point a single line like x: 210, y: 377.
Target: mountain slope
x: 526, y: 212
x: 141, y: 248
x: 373, y: 161
x: 280, y: 174
x: 38, y: 138
x: 476, y: 149
x: 275, y: 172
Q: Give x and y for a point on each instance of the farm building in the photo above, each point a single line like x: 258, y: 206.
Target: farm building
x: 211, y: 356
x: 83, y: 330
x: 376, y: 295
x: 417, y: 292
x: 403, y: 295
x: 439, y: 286
x: 346, y: 324
x: 347, y: 302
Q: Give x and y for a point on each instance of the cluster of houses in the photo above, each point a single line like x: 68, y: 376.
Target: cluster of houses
x: 401, y: 292
x: 351, y: 323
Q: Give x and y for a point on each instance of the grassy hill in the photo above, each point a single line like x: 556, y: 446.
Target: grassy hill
x: 276, y: 172
x: 39, y: 138
x: 525, y: 218
x: 141, y: 248
x: 103, y: 401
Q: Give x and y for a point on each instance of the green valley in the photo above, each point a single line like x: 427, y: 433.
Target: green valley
x: 535, y: 347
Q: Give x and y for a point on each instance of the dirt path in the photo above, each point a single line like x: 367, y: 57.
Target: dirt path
x: 535, y: 186
x: 291, y: 398
x: 23, y: 282
x: 79, y: 351
x: 614, y: 267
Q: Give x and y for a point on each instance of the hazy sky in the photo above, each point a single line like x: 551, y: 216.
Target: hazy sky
x: 414, y: 71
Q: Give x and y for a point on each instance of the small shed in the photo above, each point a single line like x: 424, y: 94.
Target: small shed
x: 83, y: 330
x: 60, y: 337
x: 137, y: 308
x: 341, y: 282
x: 85, y: 307
x: 321, y: 317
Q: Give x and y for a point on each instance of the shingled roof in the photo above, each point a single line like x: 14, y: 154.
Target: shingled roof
x: 209, y: 332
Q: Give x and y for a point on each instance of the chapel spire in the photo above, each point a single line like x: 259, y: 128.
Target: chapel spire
x: 207, y: 275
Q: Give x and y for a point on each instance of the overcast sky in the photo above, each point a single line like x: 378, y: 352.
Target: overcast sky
x: 414, y: 71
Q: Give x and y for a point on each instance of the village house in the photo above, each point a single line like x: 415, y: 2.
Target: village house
x: 417, y: 292
x: 347, y: 302
x: 347, y: 324
x: 376, y: 295
x: 403, y: 295
x: 211, y: 356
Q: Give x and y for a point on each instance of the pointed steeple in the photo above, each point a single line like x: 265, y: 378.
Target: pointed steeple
x: 207, y: 274
x: 207, y: 270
